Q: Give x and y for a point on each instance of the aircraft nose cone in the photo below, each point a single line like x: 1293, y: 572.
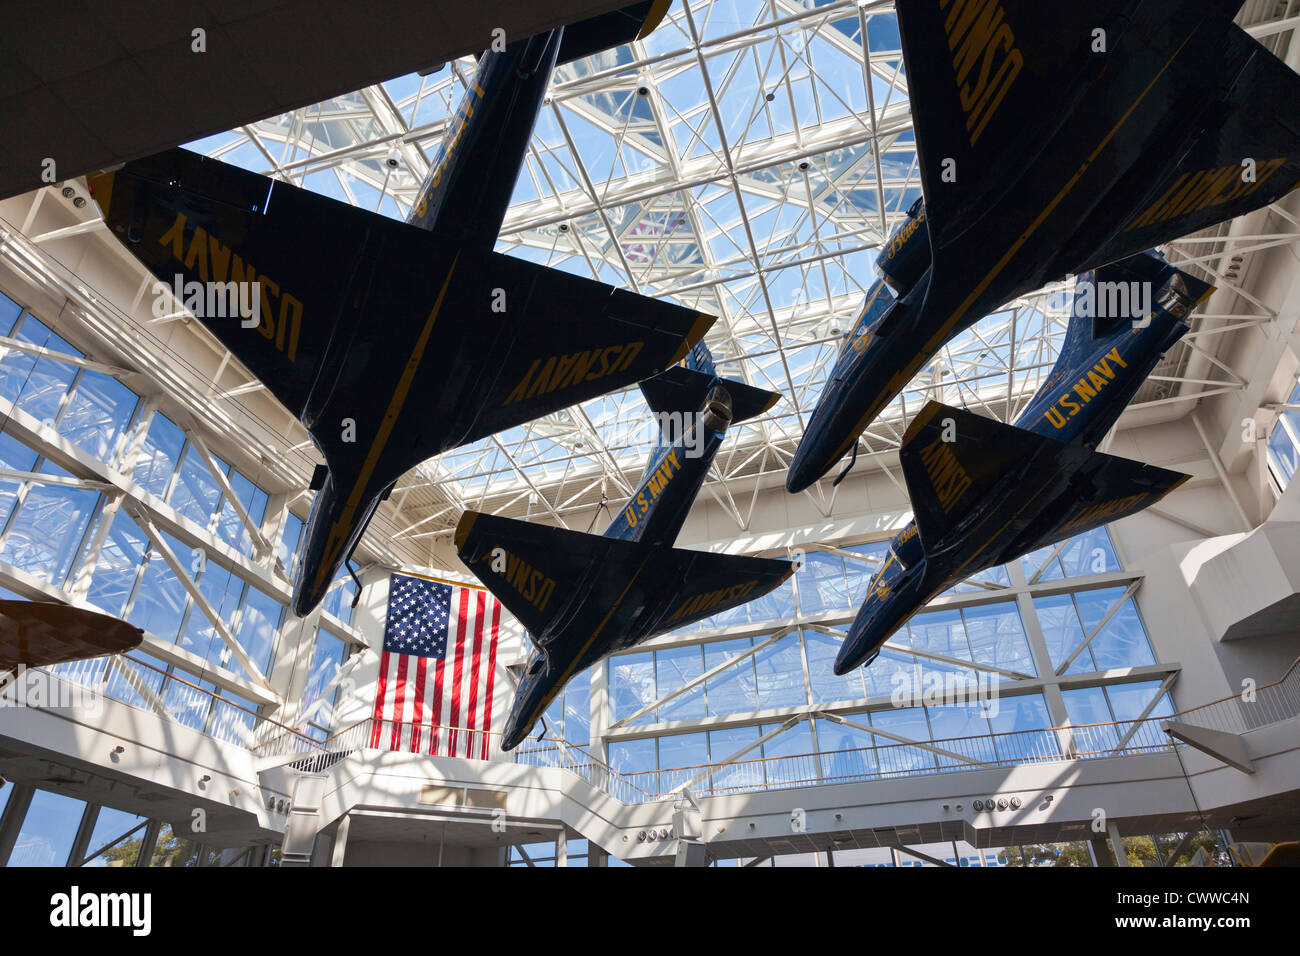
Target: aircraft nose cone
x: 512, y: 735
x: 870, y: 629
x: 801, y: 474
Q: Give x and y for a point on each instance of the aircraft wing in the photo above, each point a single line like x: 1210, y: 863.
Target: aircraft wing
x: 345, y: 297
x: 1254, y: 125
x: 953, y: 460
x: 989, y: 83
x: 608, y: 30
x: 185, y: 215
x: 1108, y: 488
x: 547, y: 576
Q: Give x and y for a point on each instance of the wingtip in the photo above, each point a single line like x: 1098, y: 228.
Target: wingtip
x: 703, y: 322
x: 463, y: 527
x: 100, y: 185
x: 658, y: 10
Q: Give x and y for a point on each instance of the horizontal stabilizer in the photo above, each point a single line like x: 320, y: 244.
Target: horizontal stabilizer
x: 608, y: 30
x: 546, y: 577
x: 683, y: 390
x: 953, y: 460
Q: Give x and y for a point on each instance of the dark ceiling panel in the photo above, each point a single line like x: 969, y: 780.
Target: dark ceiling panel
x: 91, y: 84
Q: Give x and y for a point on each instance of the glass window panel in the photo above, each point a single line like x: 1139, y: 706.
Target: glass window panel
x: 966, y: 730
x: 338, y: 600
x: 1128, y: 700
x: 119, y: 561
x: 47, y: 530
x: 160, y: 598
x: 1285, y: 454
x: 893, y: 671
x: 577, y: 709
x: 776, y: 605
x: 939, y: 632
x: 1059, y: 622
x: 996, y: 575
x: 674, y: 667
x: 158, y: 456
x: 821, y: 583
x: 682, y: 757
x: 1122, y: 642
x: 1090, y: 553
x: 9, y: 312
x: 997, y: 638
x: 779, y: 668
x: 788, y: 755
x: 230, y: 528
x: 636, y: 760
x: 196, y: 491
x: 97, y: 412
x: 257, y: 626
x: 326, y: 659
x: 821, y: 650
x: 746, y: 773
x: 223, y: 591
x: 847, y: 752
x: 36, y: 384
x: 733, y: 690
x: 48, y: 830
x: 18, y: 457
x: 291, y: 540
x: 109, y: 825
x: 1031, y: 562
x: 894, y: 758
x: 1087, y: 705
x: 632, y: 685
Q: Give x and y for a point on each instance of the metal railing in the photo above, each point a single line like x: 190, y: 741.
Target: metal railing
x: 150, y: 688
x: 203, y: 710
x: 1250, y: 709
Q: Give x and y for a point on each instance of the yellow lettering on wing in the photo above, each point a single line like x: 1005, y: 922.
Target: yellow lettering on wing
x: 555, y: 372
x: 533, y: 585
x: 985, y: 59
x: 700, y: 603
x: 211, y: 260
x: 1195, y: 191
x: 947, y: 477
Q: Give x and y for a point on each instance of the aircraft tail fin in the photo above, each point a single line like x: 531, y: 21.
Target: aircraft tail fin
x: 546, y: 577
x: 1113, y: 294
x: 683, y: 388
x: 608, y: 30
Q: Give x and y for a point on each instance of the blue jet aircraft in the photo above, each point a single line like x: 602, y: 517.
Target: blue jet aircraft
x: 582, y: 597
x: 1053, y: 138
x: 393, y: 342
x: 984, y: 493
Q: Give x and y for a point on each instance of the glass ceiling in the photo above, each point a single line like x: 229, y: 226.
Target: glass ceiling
x: 746, y: 159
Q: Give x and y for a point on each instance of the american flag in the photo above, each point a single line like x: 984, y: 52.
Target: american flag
x: 437, y: 669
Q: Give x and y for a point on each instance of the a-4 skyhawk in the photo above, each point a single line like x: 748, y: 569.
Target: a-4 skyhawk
x: 393, y: 342
x: 1052, y: 139
x: 984, y: 493
x: 581, y: 596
